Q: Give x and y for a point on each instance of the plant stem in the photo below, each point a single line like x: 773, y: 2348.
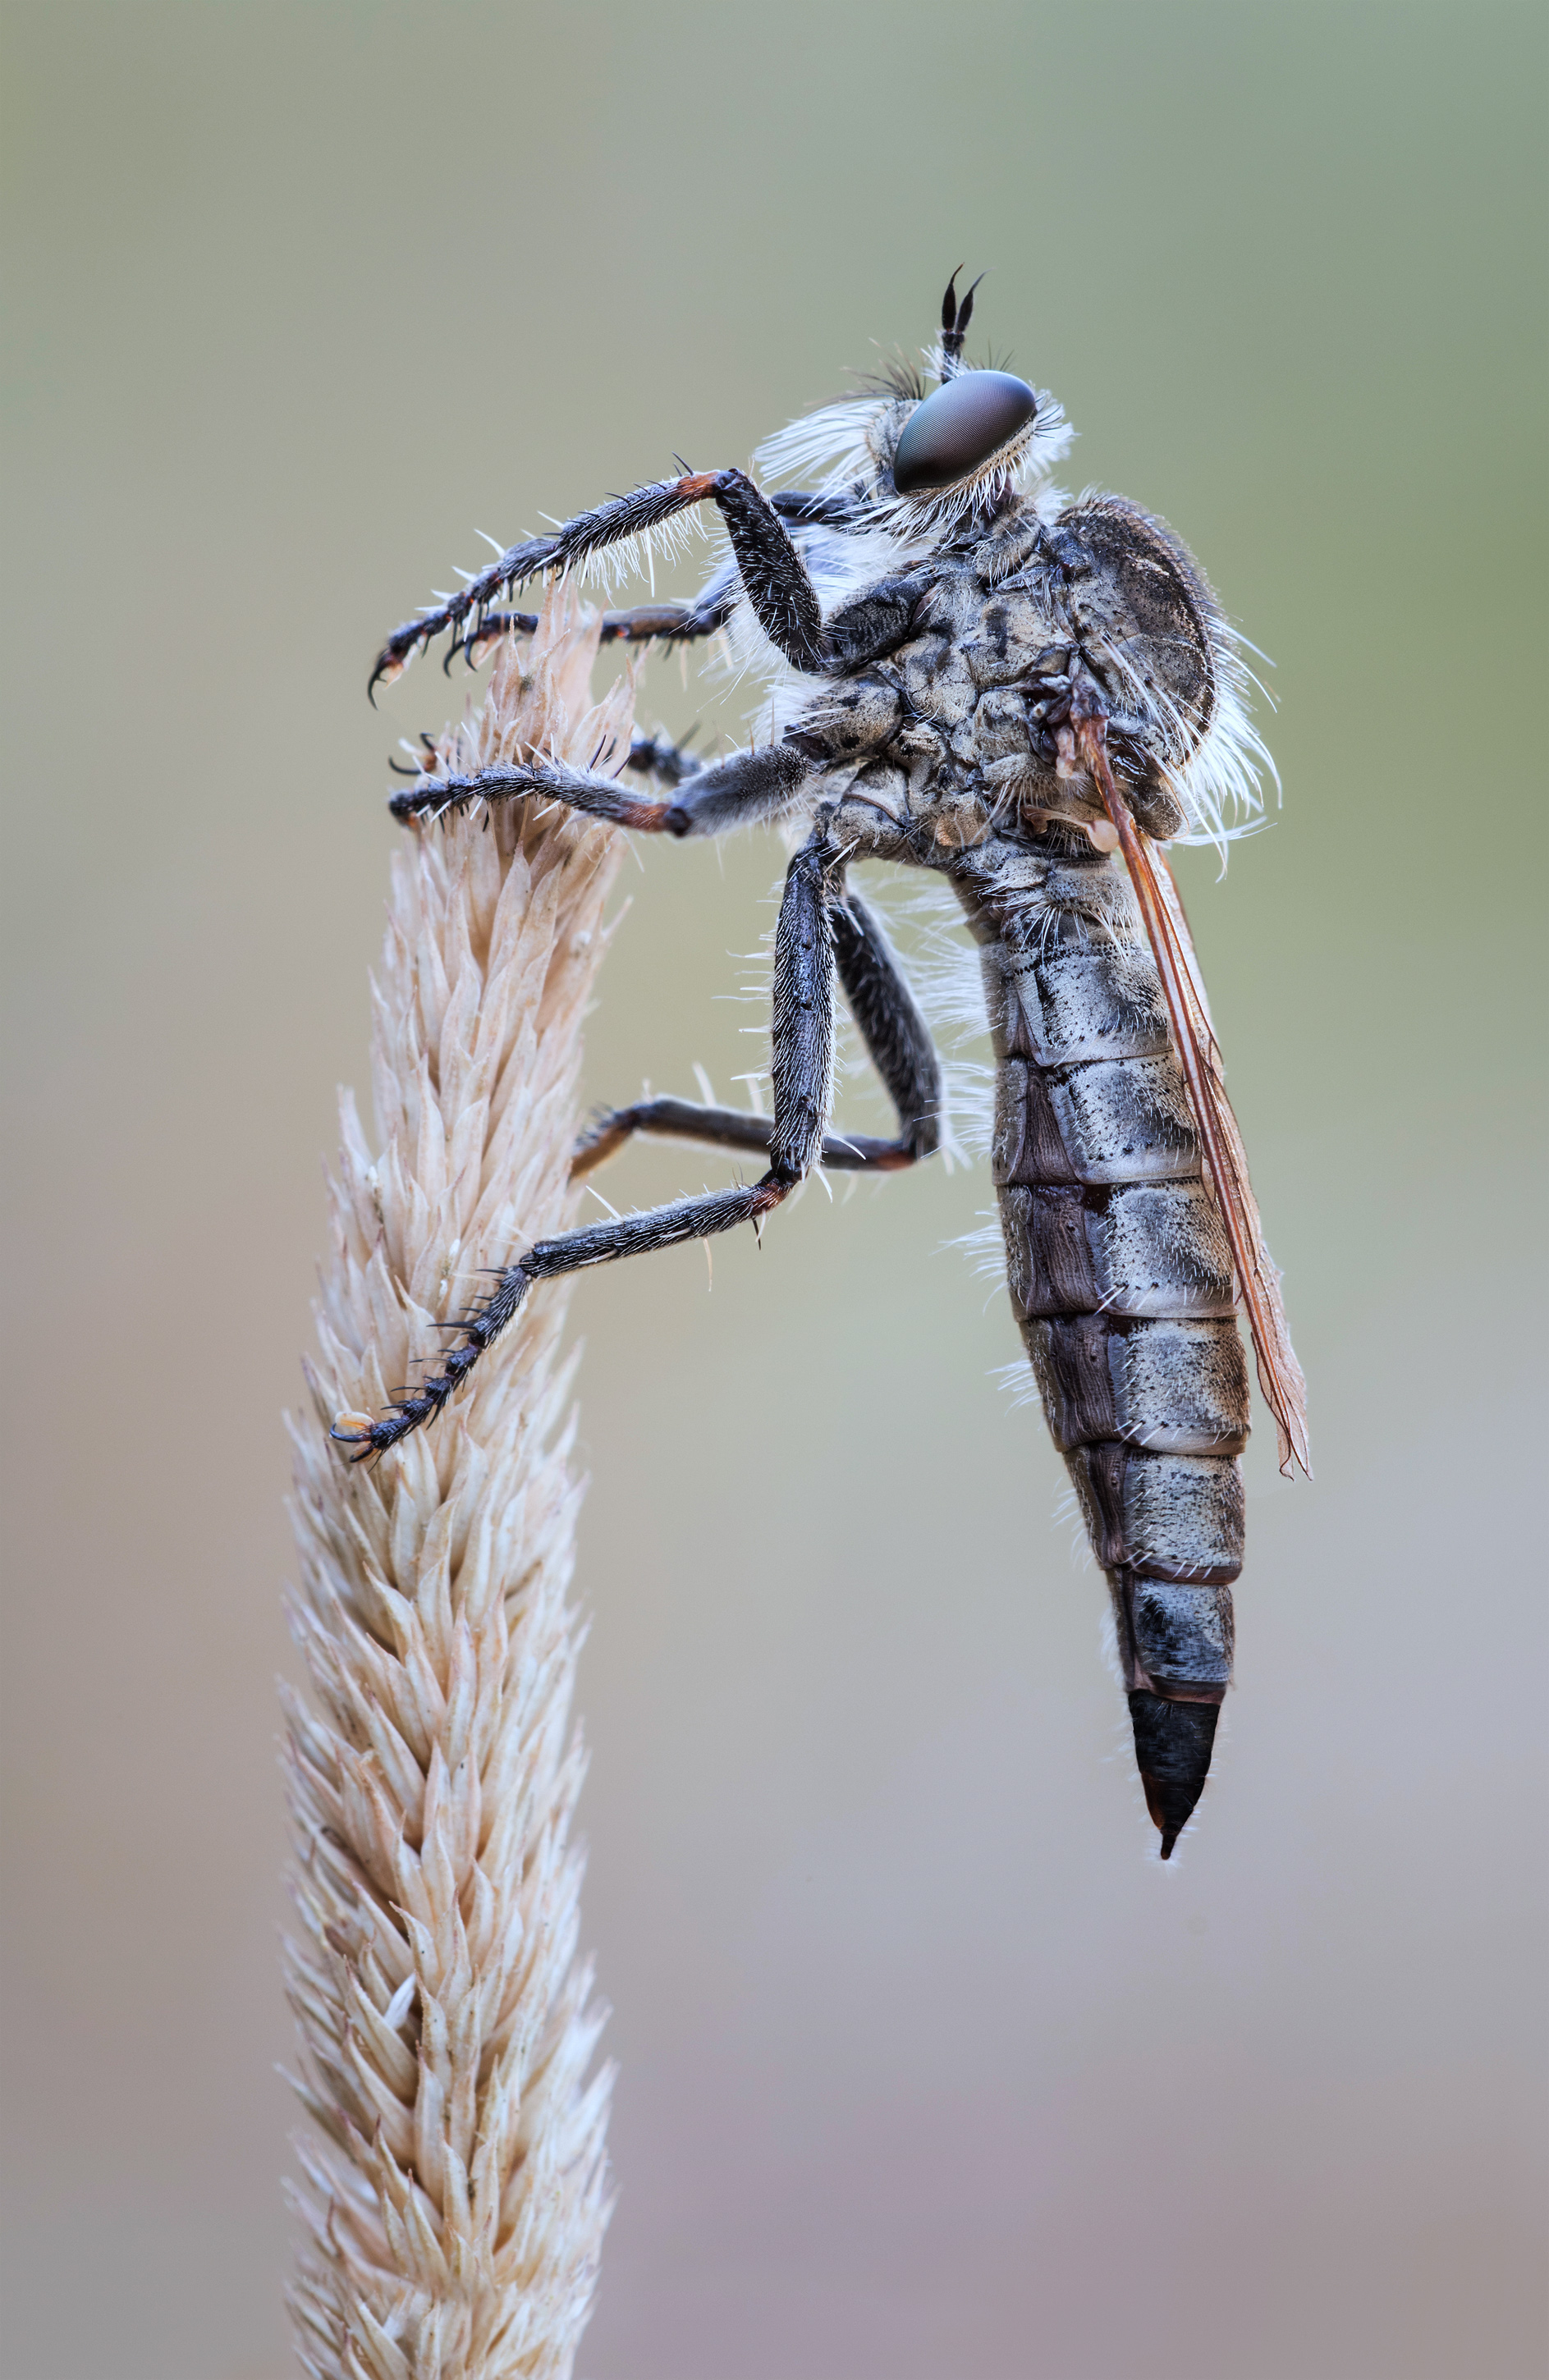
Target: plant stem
x: 454, y: 2192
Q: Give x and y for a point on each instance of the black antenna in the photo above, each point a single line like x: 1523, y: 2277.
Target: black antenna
x: 954, y: 319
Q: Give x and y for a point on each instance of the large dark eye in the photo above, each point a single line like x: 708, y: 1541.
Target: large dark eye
x: 960, y: 428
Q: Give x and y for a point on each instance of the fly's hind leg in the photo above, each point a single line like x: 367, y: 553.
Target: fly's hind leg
x: 725, y: 1128
x: 897, y: 1041
x: 803, y: 1059
x: 888, y: 1018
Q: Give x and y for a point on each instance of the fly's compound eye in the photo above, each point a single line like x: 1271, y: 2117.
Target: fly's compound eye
x: 960, y: 427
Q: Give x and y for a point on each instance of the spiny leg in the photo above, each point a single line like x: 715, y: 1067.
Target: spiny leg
x: 668, y: 624
x: 803, y: 1056
x: 738, y: 790
x: 649, y: 756
x: 669, y: 1119
x: 646, y: 624
x: 772, y: 570
x: 660, y: 1227
x: 888, y: 1017
x: 897, y: 1040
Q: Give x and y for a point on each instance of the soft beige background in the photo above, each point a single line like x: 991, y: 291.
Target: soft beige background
x: 930, y: 2071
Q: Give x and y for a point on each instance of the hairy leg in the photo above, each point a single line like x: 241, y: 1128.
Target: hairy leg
x: 649, y: 756
x: 647, y: 624
x: 897, y: 1041
x: 803, y: 1057
x: 668, y: 1118
x: 888, y: 1015
x: 772, y: 570
x: 735, y: 792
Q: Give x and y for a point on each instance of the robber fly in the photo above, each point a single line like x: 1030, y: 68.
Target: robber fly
x: 1028, y: 695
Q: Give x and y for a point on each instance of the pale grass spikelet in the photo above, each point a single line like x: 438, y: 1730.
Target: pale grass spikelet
x: 453, y: 2196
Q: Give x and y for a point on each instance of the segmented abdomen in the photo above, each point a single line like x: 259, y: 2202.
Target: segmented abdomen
x: 1121, y: 1280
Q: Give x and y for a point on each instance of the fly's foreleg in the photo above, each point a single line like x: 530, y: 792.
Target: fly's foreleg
x: 802, y: 1070
x: 772, y: 570
x: 897, y: 1041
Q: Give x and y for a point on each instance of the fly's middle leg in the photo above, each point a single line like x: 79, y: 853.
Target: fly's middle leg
x: 742, y: 789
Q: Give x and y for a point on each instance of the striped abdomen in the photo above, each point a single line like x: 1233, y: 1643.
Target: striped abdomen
x: 1122, y: 1283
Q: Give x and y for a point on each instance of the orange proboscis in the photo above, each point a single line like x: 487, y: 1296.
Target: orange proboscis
x: 1162, y: 911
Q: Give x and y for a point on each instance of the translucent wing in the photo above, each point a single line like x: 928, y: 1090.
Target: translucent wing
x: 1279, y: 1373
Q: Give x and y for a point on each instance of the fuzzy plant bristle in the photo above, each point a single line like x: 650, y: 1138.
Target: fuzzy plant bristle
x: 454, y: 2191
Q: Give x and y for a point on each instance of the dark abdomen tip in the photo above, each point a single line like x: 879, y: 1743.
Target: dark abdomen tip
x: 1173, y: 1745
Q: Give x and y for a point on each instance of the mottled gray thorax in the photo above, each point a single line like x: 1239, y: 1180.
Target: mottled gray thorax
x: 955, y: 729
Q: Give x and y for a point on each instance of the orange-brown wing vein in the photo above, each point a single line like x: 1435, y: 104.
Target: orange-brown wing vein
x: 1279, y: 1373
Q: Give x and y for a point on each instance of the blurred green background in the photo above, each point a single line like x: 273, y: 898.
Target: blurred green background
x: 928, y: 2068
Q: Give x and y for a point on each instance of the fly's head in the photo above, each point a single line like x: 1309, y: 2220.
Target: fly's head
x: 920, y: 462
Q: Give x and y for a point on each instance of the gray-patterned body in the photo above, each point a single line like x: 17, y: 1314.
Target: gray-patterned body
x: 978, y: 677
x: 1118, y: 1267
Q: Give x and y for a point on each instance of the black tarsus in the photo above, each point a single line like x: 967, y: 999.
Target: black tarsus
x: 670, y: 624
x: 802, y: 1067
x: 517, y: 563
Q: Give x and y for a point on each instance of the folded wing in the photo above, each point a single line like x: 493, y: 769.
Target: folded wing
x: 1172, y: 945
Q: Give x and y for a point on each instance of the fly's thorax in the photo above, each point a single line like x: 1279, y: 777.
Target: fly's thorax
x: 966, y: 698
x: 1010, y: 542
x: 857, y: 715
x: 985, y: 680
